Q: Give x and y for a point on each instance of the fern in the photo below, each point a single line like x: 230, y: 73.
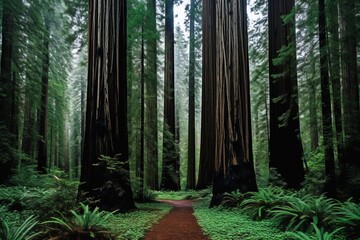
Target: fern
x: 300, y: 213
x: 319, y: 234
x: 348, y: 216
x: 232, y: 199
x: 258, y: 204
x: 89, y: 223
x: 20, y: 233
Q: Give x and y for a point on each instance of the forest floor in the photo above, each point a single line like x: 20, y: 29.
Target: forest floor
x: 179, y: 223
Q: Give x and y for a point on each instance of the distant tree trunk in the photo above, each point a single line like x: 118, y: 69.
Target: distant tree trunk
x: 170, y: 175
x: 330, y: 186
x: 334, y: 47
x: 152, y: 110
x: 191, y: 181
x: 207, y: 144
x: 284, y: 109
x: 106, y: 110
x: 140, y: 160
x: 234, y: 168
x: 42, y: 143
x: 313, y: 126
x: 350, y: 83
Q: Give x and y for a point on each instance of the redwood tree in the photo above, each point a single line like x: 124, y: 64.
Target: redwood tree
x: 106, y: 111
x: 190, y: 184
x: 152, y: 176
x: 285, y: 147
x: 207, y: 145
x: 42, y: 142
x: 170, y: 172
x: 234, y: 168
x: 326, y: 104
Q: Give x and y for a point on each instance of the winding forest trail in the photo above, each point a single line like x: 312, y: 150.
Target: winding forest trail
x: 178, y: 224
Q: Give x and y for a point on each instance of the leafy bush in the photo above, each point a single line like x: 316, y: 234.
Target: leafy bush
x: 232, y: 199
x: 24, y: 231
x: 90, y: 224
x: 258, y: 204
x: 320, y: 234
x: 348, y: 216
x: 301, y: 213
x: 57, y: 195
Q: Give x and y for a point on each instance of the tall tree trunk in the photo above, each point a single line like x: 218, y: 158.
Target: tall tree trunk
x: 152, y: 110
x: 313, y: 126
x: 106, y: 110
x: 234, y: 168
x: 334, y: 48
x: 350, y: 85
x: 330, y: 187
x: 285, y: 147
x: 207, y: 144
x: 191, y: 129
x: 140, y: 161
x: 6, y: 86
x: 42, y: 143
x: 170, y: 175
x: 350, y: 82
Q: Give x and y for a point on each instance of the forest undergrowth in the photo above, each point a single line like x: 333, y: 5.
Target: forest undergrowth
x: 36, y: 206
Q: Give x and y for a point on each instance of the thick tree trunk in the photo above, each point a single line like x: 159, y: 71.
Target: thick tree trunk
x: 170, y: 175
x: 285, y: 147
x: 106, y: 111
x: 234, y: 168
x: 207, y: 144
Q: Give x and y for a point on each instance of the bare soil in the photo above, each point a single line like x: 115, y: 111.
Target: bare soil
x: 178, y: 224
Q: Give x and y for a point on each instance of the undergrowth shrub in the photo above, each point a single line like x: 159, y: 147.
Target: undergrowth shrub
x: 347, y: 216
x: 258, y: 204
x: 89, y: 224
x: 232, y: 199
x: 299, y: 214
x: 318, y: 234
x: 22, y: 232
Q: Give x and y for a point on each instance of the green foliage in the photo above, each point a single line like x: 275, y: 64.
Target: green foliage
x: 23, y: 232
x: 181, y: 195
x: 347, y: 215
x: 90, y: 224
x: 222, y: 223
x: 315, y: 177
x: 320, y: 234
x: 301, y: 213
x: 232, y: 199
x: 51, y: 194
x: 259, y: 204
x: 124, y: 226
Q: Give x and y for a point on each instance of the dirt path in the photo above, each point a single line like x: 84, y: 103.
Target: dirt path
x: 178, y: 224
